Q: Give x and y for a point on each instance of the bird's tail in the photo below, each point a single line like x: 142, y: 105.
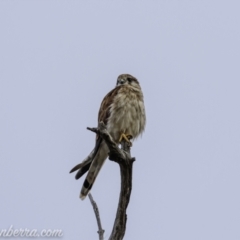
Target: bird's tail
x: 84, y: 166
x: 94, y: 168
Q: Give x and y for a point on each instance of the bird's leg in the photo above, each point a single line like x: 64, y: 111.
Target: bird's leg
x: 125, y: 137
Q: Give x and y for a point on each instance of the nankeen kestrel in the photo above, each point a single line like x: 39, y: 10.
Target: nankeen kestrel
x: 122, y: 111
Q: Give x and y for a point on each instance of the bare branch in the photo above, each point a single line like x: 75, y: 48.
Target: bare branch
x: 123, y: 158
x: 95, y: 208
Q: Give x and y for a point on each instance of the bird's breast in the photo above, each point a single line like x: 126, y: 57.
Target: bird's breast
x: 127, y: 114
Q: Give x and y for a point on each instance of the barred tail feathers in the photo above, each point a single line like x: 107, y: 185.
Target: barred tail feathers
x: 94, y: 169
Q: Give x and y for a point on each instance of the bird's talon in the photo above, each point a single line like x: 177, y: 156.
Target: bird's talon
x: 126, y: 137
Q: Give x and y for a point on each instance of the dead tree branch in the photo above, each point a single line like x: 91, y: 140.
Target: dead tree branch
x: 123, y: 158
x: 95, y: 208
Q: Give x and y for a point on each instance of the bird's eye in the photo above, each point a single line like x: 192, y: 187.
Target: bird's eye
x: 129, y: 80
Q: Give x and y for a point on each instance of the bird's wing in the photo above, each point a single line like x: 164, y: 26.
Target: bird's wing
x: 104, y: 111
x: 102, y: 153
x: 103, y: 115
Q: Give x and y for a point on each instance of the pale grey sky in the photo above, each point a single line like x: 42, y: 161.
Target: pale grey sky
x: 58, y: 59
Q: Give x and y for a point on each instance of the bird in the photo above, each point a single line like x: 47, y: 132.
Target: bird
x: 123, y: 112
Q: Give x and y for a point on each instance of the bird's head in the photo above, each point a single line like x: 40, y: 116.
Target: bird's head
x: 127, y: 79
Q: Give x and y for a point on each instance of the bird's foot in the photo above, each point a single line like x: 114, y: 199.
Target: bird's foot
x: 126, y: 137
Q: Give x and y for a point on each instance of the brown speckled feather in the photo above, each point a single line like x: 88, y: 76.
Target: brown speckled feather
x: 104, y: 111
